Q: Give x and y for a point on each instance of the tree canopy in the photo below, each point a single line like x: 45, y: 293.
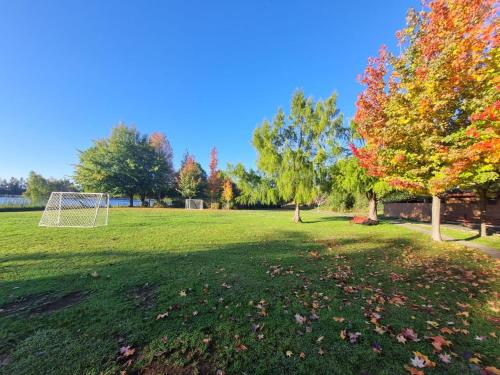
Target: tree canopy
x: 127, y: 163
x: 429, y: 116
x: 295, y: 150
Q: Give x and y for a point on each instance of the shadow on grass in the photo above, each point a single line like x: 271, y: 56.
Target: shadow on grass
x: 207, y: 293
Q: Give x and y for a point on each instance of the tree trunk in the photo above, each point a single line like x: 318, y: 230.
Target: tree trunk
x: 436, y: 218
x: 143, y: 200
x: 131, y: 200
x: 482, y: 213
x: 296, y: 215
x: 372, y: 207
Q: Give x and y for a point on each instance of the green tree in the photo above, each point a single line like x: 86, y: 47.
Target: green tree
x: 349, y: 178
x: 189, y: 178
x: 38, y: 188
x: 163, y: 178
x: 123, y: 164
x: 252, y: 188
x: 295, y: 150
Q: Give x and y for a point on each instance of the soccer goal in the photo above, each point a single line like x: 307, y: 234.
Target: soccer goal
x: 194, y: 204
x: 79, y: 210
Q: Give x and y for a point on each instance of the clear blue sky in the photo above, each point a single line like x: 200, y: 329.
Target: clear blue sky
x: 203, y: 72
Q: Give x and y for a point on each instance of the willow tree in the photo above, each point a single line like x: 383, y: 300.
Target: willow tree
x: 348, y: 177
x: 295, y: 150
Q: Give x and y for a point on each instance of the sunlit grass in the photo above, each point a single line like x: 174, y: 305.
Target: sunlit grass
x: 232, y: 282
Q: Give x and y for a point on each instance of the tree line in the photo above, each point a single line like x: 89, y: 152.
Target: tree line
x: 426, y: 122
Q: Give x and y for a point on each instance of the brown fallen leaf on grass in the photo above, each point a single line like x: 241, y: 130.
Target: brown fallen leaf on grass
x: 490, y: 370
x: 400, y: 338
x: 413, y: 370
x: 421, y: 361
x: 352, y: 336
x: 126, y: 351
x: 299, y: 319
x: 338, y: 319
x: 438, y: 342
x: 409, y: 334
x: 240, y: 347
x: 314, y: 254
x: 445, y: 358
x: 162, y: 316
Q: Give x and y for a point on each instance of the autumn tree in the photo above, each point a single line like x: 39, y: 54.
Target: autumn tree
x: 189, y: 178
x: 214, y: 177
x: 293, y: 150
x: 227, y: 192
x: 416, y: 114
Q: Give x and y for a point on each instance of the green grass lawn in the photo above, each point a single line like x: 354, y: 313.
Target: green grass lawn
x: 492, y: 241
x: 183, y: 292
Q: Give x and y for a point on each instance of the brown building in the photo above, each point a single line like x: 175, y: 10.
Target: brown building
x: 456, y: 207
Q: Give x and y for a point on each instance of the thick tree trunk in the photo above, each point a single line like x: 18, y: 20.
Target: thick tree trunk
x: 143, y: 200
x: 372, y: 207
x: 482, y: 213
x: 296, y: 215
x: 436, y: 218
x: 131, y: 200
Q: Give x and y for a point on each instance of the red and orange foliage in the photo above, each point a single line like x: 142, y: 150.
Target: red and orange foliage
x: 214, y: 180
x: 429, y: 116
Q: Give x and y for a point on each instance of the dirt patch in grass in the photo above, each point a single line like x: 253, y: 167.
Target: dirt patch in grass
x: 144, y: 296
x: 44, y: 303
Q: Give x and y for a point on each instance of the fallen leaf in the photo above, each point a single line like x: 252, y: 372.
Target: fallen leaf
x: 400, y: 338
x: 162, y: 316
x: 445, y: 358
x: 300, y: 319
x: 289, y: 353
x: 438, y: 342
x: 413, y: 370
x: 127, y: 351
x: 240, y: 347
x: 490, y: 370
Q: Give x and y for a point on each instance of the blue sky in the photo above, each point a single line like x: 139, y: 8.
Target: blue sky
x: 203, y: 72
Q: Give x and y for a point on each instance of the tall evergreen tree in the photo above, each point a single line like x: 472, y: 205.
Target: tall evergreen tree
x: 294, y: 150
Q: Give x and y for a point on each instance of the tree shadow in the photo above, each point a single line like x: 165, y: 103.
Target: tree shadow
x: 223, y: 275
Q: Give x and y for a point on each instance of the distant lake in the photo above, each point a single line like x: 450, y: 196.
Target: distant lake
x: 21, y: 201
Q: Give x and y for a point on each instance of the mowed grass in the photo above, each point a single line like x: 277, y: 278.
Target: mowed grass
x: 245, y: 292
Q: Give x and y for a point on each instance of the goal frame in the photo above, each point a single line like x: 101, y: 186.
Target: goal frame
x: 51, y: 216
x: 197, y: 202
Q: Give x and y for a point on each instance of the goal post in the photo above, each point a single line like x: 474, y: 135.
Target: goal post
x: 78, y: 210
x: 194, y: 204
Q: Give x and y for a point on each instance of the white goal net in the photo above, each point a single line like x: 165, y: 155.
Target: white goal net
x: 81, y: 210
x: 194, y: 204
